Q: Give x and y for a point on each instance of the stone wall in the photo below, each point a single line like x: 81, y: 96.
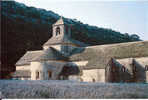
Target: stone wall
x: 78, y: 63
x: 93, y: 75
x: 75, y: 78
x: 43, y: 68
x: 37, y: 67
x: 22, y: 72
x: 23, y: 67
x: 137, y: 71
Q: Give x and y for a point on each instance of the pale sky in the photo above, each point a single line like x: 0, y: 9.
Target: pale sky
x: 125, y: 16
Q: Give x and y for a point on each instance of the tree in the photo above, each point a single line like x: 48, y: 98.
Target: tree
x: 127, y: 35
x: 135, y: 37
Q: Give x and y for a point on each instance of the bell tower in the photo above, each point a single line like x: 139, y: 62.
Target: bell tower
x: 61, y: 38
x: 61, y: 28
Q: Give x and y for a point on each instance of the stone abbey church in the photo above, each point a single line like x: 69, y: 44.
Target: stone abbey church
x: 64, y: 58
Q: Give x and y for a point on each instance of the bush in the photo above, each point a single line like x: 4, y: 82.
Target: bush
x: 71, y: 89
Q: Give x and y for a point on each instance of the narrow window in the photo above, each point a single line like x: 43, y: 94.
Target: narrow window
x: 123, y: 69
x: 37, y: 75
x: 93, y: 80
x: 134, y: 69
x: 49, y: 74
x: 146, y: 67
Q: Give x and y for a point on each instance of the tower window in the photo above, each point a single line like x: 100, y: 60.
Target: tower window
x: 57, y: 30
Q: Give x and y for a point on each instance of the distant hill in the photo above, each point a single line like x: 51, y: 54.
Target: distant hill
x: 28, y: 28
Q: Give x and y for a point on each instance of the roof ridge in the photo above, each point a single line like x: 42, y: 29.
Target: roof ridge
x: 34, y: 51
x: 115, y: 44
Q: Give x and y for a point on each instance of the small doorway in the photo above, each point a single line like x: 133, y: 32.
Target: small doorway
x: 64, y: 73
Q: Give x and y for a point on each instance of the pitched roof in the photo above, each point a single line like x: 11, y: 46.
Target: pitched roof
x: 64, y: 40
x: 43, y: 55
x: 127, y: 63
x: 116, y: 72
x: 139, y: 73
x: 98, y: 56
x: 50, y: 54
x: 114, y: 63
x: 28, y: 56
x: 143, y: 61
x: 62, y: 21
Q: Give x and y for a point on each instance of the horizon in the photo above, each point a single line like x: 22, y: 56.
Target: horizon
x: 115, y: 15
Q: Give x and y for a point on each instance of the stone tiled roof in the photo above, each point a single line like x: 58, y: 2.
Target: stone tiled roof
x: 64, y: 40
x: 50, y: 54
x: 43, y: 55
x: 29, y: 55
x: 99, y: 56
x: 127, y: 63
x: 140, y: 72
x: 62, y: 21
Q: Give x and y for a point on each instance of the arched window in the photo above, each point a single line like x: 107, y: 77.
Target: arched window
x: 57, y: 30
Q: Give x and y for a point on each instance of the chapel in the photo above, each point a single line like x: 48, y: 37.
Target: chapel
x: 64, y: 58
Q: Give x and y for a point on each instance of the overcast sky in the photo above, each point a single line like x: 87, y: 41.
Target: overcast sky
x: 125, y: 16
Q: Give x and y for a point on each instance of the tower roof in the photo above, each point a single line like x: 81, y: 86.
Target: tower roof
x: 62, y: 21
x: 64, y: 40
x: 50, y: 54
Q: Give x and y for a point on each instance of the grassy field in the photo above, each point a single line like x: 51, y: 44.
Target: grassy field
x: 71, y: 89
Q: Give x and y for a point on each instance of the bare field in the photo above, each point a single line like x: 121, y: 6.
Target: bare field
x: 71, y: 89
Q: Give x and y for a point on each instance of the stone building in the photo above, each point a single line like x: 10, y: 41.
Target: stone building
x: 64, y: 58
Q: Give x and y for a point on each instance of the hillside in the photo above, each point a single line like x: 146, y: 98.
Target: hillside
x: 28, y: 28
